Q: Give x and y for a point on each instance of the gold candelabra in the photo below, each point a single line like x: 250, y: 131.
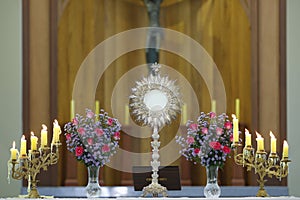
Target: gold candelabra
x: 28, y: 167
x: 262, y: 164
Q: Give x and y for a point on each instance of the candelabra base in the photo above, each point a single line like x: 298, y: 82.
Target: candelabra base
x: 262, y: 193
x: 155, y: 189
x: 34, y: 194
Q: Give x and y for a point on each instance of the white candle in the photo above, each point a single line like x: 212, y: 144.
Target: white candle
x: 273, y: 142
x: 260, y: 142
x: 13, y: 151
x: 248, y: 138
x: 23, y: 148
x: 235, y: 129
x: 56, y: 132
x: 33, y: 142
x: 44, y: 136
x: 237, y: 108
x: 213, y: 106
x: 285, y: 152
x: 72, y: 109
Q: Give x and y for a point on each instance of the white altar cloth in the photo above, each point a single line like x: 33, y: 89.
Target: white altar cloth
x: 186, y: 192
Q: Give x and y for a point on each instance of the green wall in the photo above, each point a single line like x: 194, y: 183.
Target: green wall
x: 10, y: 88
x: 293, y: 93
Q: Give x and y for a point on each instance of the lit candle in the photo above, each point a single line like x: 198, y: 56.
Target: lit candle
x: 56, y: 132
x: 237, y: 108
x: 33, y: 142
x: 285, y: 152
x: 213, y: 106
x: 235, y: 129
x: 72, y: 109
x: 184, y: 113
x: 248, y: 138
x: 126, y: 115
x: 97, y: 107
x: 13, y: 151
x: 23, y: 148
x: 273, y: 142
x: 260, y: 142
x: 44, y: 136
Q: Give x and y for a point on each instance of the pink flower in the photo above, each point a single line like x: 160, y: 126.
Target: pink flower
x: 215, y: 145
x: 68, y: 136
x: 79, y: 151
x: 219, y: 131
x: 204, y: 130
x: 99, y: 131
x: 231, y: 138
x: 90, y: 141
x: 117, y: 135
x: 81, y: 131
x: 228, y: 125
x: 193, y: 127
x: 226, y: 149
x: 197, y: 151
x: 105, y: 148
x: 110, y: 121
x: 74, y: 121
x: 89, y: 114
x: 190, y: 140
x: 212, y: 115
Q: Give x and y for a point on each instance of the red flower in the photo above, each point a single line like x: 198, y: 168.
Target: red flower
x: 204, y: 130
x: 193, y: 127
x: 219, y: 131
x: 90, y: 141
x: 226, y: 149
x: 105, y: 148
x: 228, y: 125
x: 212, y: 114
x: 99, y: 131
x: 110, y: 121
x: 215, y: 145
x: 117, y: 135
x: 190, y: 140
x: 79, y: 151
x: 89, y: 114
x: 68, y: 136
x: 197, y: 150
x: 81, y: 130
x: 74, y: 121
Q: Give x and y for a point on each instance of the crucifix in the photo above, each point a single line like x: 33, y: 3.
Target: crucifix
x: 154, y: 35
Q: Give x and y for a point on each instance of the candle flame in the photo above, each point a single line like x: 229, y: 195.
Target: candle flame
x: 246, y: 131
x: 44, y: 127
x: 272, y: 135
x: 285, y: 143
x: 14, y: 145
x: 23, y: 137
x: 32, y: 133
x: 233, y: 116
x: 258, y: 135
x: 55, y: 122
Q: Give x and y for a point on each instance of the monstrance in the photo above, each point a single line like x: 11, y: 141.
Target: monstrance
x: 155, y: 101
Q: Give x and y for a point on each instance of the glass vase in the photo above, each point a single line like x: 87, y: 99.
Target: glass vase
x: 212, y: 189
x: 93, y: 188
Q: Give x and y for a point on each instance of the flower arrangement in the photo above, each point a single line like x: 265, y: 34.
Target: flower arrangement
x: 208, y: 141
x: 93, y: 138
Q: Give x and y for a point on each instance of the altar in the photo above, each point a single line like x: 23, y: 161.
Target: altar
x: 195, y: 192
